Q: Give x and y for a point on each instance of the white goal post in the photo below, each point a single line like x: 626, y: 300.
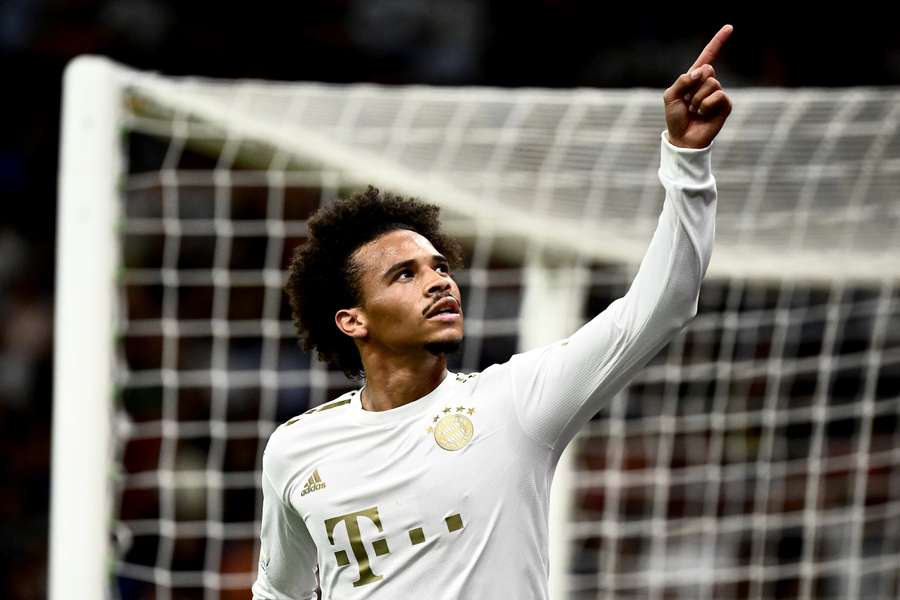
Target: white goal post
x: 757, y: 456
x: 87, y: 252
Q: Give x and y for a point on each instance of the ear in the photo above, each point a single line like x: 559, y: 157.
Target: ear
x: 351, y: 322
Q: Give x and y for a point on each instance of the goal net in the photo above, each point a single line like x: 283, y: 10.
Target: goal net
x: 757, y: 456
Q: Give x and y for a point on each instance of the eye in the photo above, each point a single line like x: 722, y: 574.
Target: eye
x: 443, y: 268
x: 405, y: 274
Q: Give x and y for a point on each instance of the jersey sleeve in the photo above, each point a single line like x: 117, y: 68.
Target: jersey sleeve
x: 287, y: 556
x: 558, y: 388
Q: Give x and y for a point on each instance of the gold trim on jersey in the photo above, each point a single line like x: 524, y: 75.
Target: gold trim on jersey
x: 319, y: 408
x: 334, y: 405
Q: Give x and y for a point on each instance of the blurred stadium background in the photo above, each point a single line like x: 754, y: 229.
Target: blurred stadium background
x: 451, y: 42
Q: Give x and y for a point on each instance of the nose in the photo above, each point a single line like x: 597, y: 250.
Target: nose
x: 439, y: 283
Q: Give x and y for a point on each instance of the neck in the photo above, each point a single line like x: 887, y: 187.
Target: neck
x: 393, y: 380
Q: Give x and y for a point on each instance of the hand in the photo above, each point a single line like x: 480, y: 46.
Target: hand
x: 696, y: 105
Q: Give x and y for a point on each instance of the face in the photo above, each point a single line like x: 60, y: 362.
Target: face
x: 410, y: 301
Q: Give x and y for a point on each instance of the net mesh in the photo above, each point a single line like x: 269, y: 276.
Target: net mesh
x: 755, y: 457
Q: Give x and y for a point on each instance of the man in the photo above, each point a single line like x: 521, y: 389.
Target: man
x: 435, y: 485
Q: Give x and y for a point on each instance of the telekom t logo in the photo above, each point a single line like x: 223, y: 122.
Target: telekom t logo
x: 357, y: 547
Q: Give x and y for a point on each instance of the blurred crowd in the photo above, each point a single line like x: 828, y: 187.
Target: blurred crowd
x: 557, y: 43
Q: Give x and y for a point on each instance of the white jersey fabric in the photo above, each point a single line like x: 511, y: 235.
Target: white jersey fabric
x: 448, y: 496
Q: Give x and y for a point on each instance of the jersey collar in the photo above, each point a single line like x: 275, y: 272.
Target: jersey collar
x: 410, y: 410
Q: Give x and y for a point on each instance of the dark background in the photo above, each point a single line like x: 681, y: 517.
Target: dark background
x: 562, y: 43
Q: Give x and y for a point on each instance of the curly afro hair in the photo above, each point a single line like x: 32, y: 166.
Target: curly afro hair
x: 322, y: 278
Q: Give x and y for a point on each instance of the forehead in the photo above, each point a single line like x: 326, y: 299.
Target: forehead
x: 392, y: 247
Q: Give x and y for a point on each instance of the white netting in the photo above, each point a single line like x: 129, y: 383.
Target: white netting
x: 811, y: 174
x: 758, y: 456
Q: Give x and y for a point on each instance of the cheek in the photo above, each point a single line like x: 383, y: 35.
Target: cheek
x: 391, y: 307
x: 454, y: 289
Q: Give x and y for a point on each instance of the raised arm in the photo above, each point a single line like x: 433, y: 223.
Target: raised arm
x: 558, y: 388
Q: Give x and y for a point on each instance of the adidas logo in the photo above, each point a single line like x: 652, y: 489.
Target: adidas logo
x: 313, y: 484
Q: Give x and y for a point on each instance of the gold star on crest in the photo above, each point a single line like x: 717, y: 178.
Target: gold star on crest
x: 446, y: 409
x: 471, y: 411
x: 460, y: 408
x: 435, y: 419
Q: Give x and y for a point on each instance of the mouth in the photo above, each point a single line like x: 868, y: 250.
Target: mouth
x: 445, y: 309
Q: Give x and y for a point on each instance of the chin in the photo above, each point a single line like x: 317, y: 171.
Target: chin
x: 446, y: 344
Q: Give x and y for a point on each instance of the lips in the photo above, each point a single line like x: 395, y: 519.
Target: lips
x: 446, y: 305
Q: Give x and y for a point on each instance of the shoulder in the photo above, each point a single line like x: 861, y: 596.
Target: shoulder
x: 493, y: 383
x: 307, y: 418
x: 294, y: 435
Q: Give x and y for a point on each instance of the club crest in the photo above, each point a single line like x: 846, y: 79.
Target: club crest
x: 453, y: 430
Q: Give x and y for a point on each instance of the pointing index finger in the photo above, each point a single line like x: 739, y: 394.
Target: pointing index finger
x: 712, y: 49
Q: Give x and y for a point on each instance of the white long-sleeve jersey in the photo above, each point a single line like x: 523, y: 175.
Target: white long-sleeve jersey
x: 448, y: 496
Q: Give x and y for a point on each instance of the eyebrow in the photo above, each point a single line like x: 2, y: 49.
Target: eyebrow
x: 410, y: 262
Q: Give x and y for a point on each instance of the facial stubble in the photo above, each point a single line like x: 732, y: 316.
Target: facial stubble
x: 443, y: 347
